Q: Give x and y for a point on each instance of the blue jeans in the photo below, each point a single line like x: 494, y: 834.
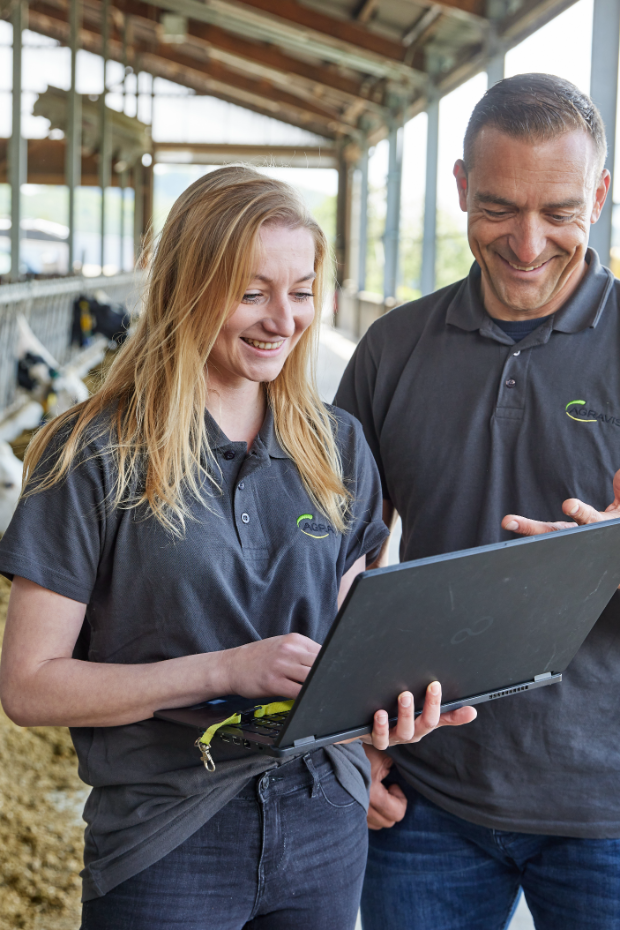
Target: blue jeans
x: 435, y: 871
x: 288, y: 851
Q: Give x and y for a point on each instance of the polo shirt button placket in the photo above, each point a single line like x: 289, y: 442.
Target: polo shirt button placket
x: 512, y: 386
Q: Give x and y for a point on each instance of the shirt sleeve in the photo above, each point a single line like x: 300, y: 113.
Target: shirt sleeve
x: 56, y: 536
x: 356, y: 394
x: 366, y: 530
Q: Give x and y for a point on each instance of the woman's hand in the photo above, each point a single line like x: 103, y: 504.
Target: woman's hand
x: 410, y: 730
x: 272, y: 667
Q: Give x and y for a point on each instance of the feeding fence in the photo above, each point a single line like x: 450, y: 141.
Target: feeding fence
x: 48, y: 309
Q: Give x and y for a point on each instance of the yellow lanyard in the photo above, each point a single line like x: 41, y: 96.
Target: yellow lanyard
x: 261, y: 710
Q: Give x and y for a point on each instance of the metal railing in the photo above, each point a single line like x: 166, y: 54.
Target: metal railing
x: 48, y: 308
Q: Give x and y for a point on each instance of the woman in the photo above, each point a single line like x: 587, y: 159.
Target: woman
x: 158, y: 562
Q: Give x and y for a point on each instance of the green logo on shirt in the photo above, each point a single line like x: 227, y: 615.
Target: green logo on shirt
x: 578, y: 413
x: 578, y: 410
x: 309, y: 527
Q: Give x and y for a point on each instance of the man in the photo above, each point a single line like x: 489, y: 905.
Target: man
x: 501, y: 395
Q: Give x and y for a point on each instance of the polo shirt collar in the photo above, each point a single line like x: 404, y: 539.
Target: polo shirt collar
x: 266, y: 437
x: 583, y: 308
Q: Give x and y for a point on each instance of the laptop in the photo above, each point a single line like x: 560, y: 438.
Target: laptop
x: 488, y: 623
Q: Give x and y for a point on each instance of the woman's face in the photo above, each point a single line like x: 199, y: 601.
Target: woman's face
x: 276, y: 309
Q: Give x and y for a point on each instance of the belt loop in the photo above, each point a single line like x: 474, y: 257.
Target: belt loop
x: 262, y: 784
x: 316, y: 781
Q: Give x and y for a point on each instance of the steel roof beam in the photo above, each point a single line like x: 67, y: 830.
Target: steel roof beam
x: 263, y: 93
x: 469, y: 13
x: 268, y: 60
x: 238, y: 18
x: 194, y: 78
x: 365, y: 10
x: 204, y: 68
x: 423, y: 25
x: 530, y: 17
x: 349, y: 32
x: 208, y: 153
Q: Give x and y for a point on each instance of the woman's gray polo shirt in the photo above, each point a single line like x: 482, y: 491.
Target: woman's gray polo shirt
x: 248, y: 568
x: 466, y: 427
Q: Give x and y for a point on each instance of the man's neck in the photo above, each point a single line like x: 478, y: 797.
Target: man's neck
x: 501, y: 311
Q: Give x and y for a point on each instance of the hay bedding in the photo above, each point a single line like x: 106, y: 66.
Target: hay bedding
x: 41, y: 798
x: 40, y: 833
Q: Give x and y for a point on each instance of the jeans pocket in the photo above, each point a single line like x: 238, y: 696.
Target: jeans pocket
x: 334, y: 793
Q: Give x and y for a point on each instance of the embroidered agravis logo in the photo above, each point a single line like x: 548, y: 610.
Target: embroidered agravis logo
x: 578, y: 410
x: 309, y: 527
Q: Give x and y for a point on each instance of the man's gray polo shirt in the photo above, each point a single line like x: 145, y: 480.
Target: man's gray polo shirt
x: 247, y: 569
x: 467, y: 426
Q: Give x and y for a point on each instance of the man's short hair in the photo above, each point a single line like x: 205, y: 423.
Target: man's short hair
x: 537, y: 107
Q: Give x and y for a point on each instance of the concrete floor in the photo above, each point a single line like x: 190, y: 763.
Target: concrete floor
x: 335, y: 352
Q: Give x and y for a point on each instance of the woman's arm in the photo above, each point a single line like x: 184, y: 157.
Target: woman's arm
x: 349, y: 577
x: 42, y: 685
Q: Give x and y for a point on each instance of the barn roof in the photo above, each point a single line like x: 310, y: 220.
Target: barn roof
x: 342, y: 69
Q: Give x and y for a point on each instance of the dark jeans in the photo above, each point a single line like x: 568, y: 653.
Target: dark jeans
x: 288, y: 852
x: 435, y: 871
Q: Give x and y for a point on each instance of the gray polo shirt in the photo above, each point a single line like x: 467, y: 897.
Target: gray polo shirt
x: 466, y: 426
x: 246, y: 569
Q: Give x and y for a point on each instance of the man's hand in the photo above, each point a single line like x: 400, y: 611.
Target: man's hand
x: 387, y: 805
x: 581, y: 513
x: 410, y: 729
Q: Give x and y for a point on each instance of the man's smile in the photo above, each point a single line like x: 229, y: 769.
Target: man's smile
x: 524, y: 268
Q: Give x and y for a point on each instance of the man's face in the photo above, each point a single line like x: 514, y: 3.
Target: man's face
x: 530, y: 206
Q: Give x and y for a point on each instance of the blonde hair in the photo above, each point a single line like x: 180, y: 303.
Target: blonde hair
x: 155, y: 392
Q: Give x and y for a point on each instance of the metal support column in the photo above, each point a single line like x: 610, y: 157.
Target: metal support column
x: 73, y: 161
x: 391, y: 236
x: 138, y: 210
x: 342, y: 200
x: 16, y: 143
x: 496, y: 69
x: 124, y: 54
x: 137, y: 73
x: 104, y: 146
x: 123, y: 173
x: 604, y: 92
x: 429, y: 248
x: 363, y: 221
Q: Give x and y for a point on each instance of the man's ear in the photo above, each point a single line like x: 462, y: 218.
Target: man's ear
x: 460, y: 173
x: 600, y: 194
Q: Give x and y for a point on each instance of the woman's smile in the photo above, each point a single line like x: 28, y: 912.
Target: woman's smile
x: 263, y: 345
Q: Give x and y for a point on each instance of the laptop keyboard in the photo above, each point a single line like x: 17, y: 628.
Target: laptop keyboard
x: 266, y: 726
x: 269, y: 725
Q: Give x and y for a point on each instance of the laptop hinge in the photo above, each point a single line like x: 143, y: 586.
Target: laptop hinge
x: 303, y: 741
x: 542, y: 677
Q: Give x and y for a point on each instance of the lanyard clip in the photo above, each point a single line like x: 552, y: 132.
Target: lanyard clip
x: 207, y: 758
